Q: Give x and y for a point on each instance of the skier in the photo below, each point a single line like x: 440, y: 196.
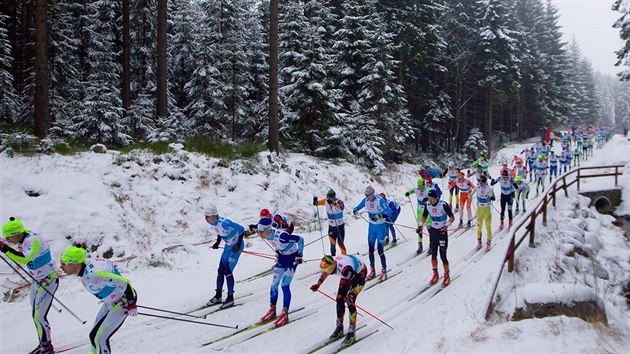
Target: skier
x: 507, y: 193
x: 553, y: 166
x: 422, y: 193
x: 442, y: 218
x: 485, y: 196
x: 504, y: 167
x: 282, y: 221
x: 289, y: 251
x: 545, y: 149
x: 378, y: 211
x: 516, y: 160
x: 33, y: 251
x: 531, y: 160
x: 466, y: 191
x: 568, y: 156
x: 483, y: 163
x: 541, y: 170
x: 434, y: 186
x: 101, y: 278
x: 395, y: 208
x: 520, y: 170
x: 452, y: 174
x: 352, y: 272
x: 576, y: 157
x: 336, y: 223
x: 522, y: 192
x: 234, y: 245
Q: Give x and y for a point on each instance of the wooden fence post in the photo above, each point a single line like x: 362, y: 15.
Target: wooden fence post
x: 532, y: 229
x: 511, y: 255
x: 564, y: 182
x: 544, y: 210
x: 616, y: 175
x: 578, y: 180
x: 553, y: 196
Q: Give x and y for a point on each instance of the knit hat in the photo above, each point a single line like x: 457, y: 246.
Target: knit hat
x: 13, y: 228
x: 74, y: 255
x: 433, y: 194
x: 264, y: 224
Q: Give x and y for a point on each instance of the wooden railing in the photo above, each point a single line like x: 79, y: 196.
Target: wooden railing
x: 526, y: 227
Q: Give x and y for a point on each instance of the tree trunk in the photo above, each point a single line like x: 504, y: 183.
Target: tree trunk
x: 273, y: 76
x: 162, y: 99
x: 126, y: 63
x: 42, y: 117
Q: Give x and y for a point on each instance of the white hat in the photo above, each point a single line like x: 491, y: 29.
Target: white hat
x: 212, y: 210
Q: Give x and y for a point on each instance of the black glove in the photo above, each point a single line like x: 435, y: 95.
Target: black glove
x: 253, y: 227
x: 419, y: 230
x: 407, y: 194
x: 493, y: 198
x: 315, y: 201
x: 236, y: 247
x: 216, y: 244
x: 298, y: 259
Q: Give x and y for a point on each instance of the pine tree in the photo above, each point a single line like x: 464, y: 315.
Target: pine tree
x: 8, y: 97
x: 623, y: 23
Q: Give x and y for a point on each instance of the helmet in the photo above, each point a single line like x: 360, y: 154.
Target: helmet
x: 383, y: 195
x: 369, y: 190
x: 420, y: 181
x: 265, y: 213
x: 331, y: 193
x: 327, y: 265
x: 13, y: 228
x: 211, y: 211
x: 483, y: 178
x: 73, y: 254
x: 504, y: 173
x: 518, y: 178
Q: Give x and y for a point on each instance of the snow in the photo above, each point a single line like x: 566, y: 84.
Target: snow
x: 538, y: 293
x: 149, y: 210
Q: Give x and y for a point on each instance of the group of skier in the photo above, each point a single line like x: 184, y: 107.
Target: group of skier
x: 102, y: 279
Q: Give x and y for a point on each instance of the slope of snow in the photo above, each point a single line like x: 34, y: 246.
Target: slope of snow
x: 149, y: 211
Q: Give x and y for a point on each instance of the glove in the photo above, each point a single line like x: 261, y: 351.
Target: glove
x: 216, y: 244
x: 298, y: 259
x: 407, y: 194
x: 236, y: 247
x: 253, y: 227
x: 2, y: 245
x: 419, y: 230
x: 314, y: 287
x: 493, y: 198
x: 355, y: 212
x: 444, y: 229
x: 376, y: 217
x: 131, y: 307
x: 315, y: 201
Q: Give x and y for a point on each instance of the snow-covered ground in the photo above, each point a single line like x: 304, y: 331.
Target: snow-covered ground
x: 149, y: 211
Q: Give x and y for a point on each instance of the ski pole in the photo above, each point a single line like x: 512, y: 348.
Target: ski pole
x: 415, y: 215
x: 49, y: 293
x: 257, y: 254
x: 360, y: 308
x: 400, y: 232
x: 189, y: 321
x: 314, y: 241
x: 26, y: 280
x: 321, y: 232
x: 173, y: 312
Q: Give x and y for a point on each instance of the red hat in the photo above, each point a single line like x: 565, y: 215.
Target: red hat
x: 429, y: 180
x: 264, y: 213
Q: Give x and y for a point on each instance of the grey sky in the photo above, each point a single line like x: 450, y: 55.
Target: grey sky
x: 590, y: 22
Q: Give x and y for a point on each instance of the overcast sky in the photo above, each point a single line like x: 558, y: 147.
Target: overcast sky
x: 590, y: 23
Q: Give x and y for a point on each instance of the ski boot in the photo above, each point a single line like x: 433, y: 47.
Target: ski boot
x: 283, y: 319
x: 419, y: 250
x: 461, y: 224
x: 501, y: 225
x: 229, y: 302
x: 394, y: 242
x: 488, y: 245
x: 216, y: 299
x: 338, y: 333
x: 43, y: 348
x: 478, y: 244
x: 270, y: 315
x: 510, y: 224
x: 516, y: 211
x: 469, y: 224
x: 349, y: 340
x: 383, y: 275
x: 456, y: 209
x: 524, y: 210
x: 446, y: 280
x: 434, y: 278
x: 386, y: 240
x: 372, y: 274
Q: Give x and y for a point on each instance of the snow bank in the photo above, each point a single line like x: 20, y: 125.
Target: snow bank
x: 538, y: 293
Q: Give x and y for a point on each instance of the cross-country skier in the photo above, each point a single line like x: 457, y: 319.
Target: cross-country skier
x: 336, y: 223
x: 33, y: 251
x: 378, y: 212
x: 282, y: 222
x: 466, y: 191
x: 434, y: 186
x: 289, y: 252
x: 442, y: 217
x: 352, y: 272
x: 485, y: 196
x: 452, y: 173
x: 506, y: 182
x: 541, y: 170
x: 522, y: 192
x: 101, y: 278
x: 553, y: 166
x: 232, y: 233
x: 422, y: 193
x: 531, y: 160
x: 395, y: 208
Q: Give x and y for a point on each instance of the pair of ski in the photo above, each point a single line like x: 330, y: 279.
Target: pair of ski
x: 258, y: 325
x: 328, y: 342
x: 436, y: 289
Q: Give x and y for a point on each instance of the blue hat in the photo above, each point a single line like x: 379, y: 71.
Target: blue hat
x: 264, y: 224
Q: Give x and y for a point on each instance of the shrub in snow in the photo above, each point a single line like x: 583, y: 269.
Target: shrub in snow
x: 98, y: 148
x: 45, y: 146
x: 475, y: 145
x: 175, y: 147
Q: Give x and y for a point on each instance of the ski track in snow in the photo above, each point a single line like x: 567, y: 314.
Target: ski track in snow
x: 141, y: 209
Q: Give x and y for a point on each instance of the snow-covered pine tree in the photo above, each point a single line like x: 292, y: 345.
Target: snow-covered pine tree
x: 8, y: 97
x: 623, y: 23
x: 476, y: 144
x: 584, y: 103
x: 307, y: 90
